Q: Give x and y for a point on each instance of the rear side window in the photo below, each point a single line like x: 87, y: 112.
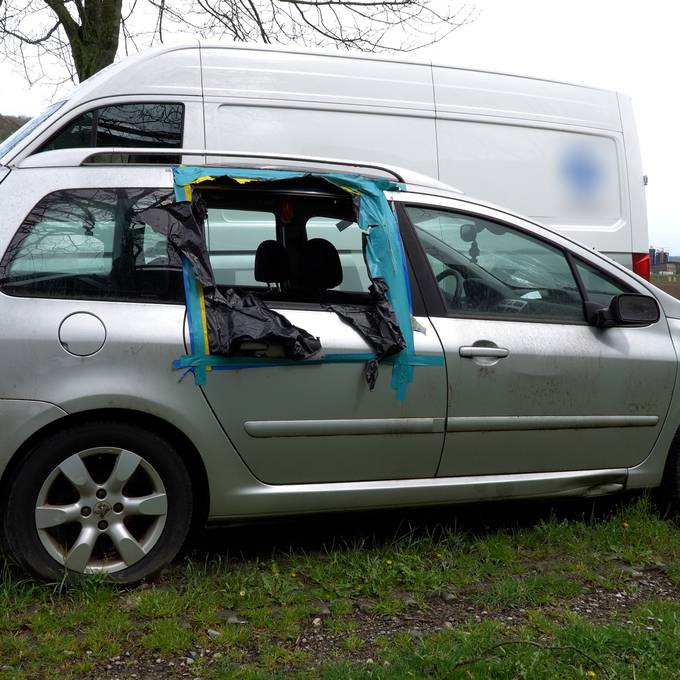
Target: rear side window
x: 86, y: 244
x: 155, y: 125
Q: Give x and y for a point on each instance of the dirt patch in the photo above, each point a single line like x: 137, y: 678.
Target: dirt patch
x: 600, y: 605
x: 440, y: 611
x: 449, y: 610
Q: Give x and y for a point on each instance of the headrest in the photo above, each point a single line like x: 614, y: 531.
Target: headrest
x: 321, y: 267
x: 272, y: 264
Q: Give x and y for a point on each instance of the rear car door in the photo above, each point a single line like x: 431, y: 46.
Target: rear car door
x: 318, y: 423
x: 532, y: 386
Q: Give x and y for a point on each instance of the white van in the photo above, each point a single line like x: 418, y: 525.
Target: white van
x: 566, y: 155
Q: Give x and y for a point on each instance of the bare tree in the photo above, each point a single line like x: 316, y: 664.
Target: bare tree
x: 44, y: 37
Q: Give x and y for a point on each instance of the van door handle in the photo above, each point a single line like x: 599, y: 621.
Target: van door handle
x: 472, y: 351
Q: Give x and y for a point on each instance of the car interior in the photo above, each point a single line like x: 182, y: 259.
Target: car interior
x: 516, y: 283
x: 287, y: 246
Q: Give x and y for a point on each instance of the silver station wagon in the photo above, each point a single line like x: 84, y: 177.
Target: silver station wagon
x: 223, y: 341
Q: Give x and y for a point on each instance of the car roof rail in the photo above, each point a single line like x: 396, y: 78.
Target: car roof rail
x: 85, y: 156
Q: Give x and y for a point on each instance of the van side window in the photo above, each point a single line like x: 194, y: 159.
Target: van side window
x: 154, y: 125
x: 77, y: 133
x: 84, y: 244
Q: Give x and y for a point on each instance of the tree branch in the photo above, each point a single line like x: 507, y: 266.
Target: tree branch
x: 68, y: 23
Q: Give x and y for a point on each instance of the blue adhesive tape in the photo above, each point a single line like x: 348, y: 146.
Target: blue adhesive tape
x: 385, y: 258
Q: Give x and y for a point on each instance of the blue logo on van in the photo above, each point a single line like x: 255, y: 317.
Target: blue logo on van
x: 582, y: 170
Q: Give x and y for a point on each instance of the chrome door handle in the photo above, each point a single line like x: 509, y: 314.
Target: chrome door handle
x: 472, y: 351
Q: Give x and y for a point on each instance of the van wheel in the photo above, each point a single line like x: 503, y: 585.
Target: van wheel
x: 99, y: 498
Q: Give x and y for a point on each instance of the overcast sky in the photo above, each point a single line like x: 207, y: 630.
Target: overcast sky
x: 622, y: 45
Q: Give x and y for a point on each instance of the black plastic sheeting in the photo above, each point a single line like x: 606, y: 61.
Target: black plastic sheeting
x: 376, y: 324
x: 239, y: 316
x: 182, y: 223
x: 236, y: 316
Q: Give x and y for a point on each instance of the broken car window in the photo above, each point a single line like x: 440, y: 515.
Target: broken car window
x: 297, y: 247
x: 233, y: 237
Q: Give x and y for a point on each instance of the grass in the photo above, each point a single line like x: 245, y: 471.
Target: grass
x: 490, y: 598
x: 577, y: 649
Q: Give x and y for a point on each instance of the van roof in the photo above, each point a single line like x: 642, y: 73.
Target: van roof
x: 139, y: 77
x: 153, y: 52
x: 371, y: 56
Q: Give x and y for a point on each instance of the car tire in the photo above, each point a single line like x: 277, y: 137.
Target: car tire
x: 667, y: 496
x: 99, y: 497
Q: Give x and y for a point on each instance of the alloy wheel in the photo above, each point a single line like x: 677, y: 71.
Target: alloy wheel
x: 101, y: 510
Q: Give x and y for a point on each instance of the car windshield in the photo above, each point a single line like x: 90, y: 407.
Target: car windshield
x: 27, y: 128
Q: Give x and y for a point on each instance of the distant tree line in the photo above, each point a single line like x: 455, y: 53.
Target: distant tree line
x: 8, y: 124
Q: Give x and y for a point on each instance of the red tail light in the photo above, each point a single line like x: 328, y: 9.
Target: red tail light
x: 641, y: 264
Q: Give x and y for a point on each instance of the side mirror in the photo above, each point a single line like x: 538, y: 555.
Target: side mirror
x: 625, y: 309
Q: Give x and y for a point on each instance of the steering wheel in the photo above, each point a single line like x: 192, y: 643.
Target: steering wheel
x: 455, y: 296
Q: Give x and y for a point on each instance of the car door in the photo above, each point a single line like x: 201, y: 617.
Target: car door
x: 532, y: 386
x: 321, y: 423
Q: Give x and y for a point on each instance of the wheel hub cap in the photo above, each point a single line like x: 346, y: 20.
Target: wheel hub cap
x: 86, y: 534
x: 102, y: 509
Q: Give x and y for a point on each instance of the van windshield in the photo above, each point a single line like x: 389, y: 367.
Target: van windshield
x: 27, y: 128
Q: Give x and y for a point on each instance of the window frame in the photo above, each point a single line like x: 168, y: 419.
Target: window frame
x: 431, y: 293
x: 95, y: 121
